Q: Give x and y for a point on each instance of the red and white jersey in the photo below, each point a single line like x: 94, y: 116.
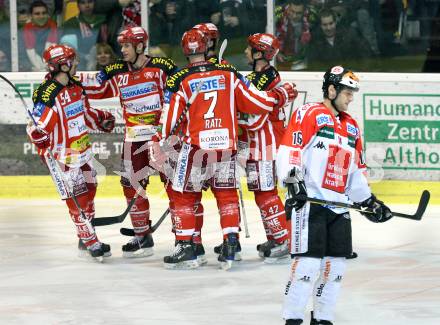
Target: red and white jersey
x: 211, y: 121
x: 140, y: 93
x: 328, y: 149
x: 64, y: 112
x: 263, y: 133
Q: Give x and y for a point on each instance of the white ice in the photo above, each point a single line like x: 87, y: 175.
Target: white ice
x: 395, y: 279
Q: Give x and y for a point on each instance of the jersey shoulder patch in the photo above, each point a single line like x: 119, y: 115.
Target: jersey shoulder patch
x: 173, y: 81
x: 166, y: 64
x: 263, y: 79
x: 113, y: 69
x: 47, y: 92
x: 310, y: 110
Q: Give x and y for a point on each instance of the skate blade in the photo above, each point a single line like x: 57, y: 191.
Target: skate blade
x: 226, y: 265
x: 185, y: 265
x: 143, y: 252
x: 202, y: 260
x: 237, y: 257
x: 86, y: 255
x: 277, y: 260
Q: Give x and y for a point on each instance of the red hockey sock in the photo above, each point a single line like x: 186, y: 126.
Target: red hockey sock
x: 274, y: 217
x: 184, y: 218
x: 139, y: 213
x: 227, y: 203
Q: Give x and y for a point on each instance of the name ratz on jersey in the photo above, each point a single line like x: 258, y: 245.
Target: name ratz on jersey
x: 211, y: 121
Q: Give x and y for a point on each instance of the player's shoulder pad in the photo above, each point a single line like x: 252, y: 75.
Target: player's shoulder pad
x: 173, y: 81
x: 310, y: 110
x: 113, y: 69
x: 166, y: 64
x: 351, y: 124
x: 262, y: 79
x: 75, y: 80
x: 47, y: 92
x: 225, y: 67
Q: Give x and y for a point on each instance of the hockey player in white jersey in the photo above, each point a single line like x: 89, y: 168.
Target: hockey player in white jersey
x: 321, y: 157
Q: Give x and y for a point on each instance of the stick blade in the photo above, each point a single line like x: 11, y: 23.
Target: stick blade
x: 423, y: 204
x: 106, y: 221
x: 127, y: 232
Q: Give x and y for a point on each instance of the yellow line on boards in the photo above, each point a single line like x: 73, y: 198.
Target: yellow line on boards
x: 32, y: 187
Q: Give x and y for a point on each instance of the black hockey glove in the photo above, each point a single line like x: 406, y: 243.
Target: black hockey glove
x: 381, y: 212
x: 296, y: 188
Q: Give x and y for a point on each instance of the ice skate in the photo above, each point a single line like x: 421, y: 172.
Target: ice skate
x: 199, y: 250
x: 237, y: 257
x: 183, y: 257
x: 94, y: 250
x: 276, y: 253
x: 267, y: 245
x: 138, y: 247
x: 314, y: 321
x: 97, y: 251
x: 229, y: 248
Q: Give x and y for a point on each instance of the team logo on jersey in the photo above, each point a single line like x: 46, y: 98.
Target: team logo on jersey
x: 138, y: 90
x: 245, y: 80
x: 74, y: 108
x: 38, y: 109
x: 351, y: 129
x: 324, y: 119
x: 209, y: 84
x: 167, y: 96
x: 101, y: 77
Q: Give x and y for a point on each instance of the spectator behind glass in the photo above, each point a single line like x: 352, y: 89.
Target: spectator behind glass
x: 234, y: 18
x: 333, y: 46
x: 293, y: 32
x: 104, y: 55
x: 4, y: 62
x: 39, y: 34
x: 86, y: 30
x: 5, y: 37
x: 257, y: 10
x: 432, y: 63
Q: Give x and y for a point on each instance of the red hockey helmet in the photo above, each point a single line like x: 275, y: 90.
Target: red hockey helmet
x: 133, y: 35
x: 265, y: 43
x: 194, y: 42
x: 209, y: 29
x: 56, y: 55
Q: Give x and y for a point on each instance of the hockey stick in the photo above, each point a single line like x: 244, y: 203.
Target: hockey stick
x: 423, y: 203
x: 128, y: 231
x: 53, y: 165
x: 240, y: 194
x: 105, y: 221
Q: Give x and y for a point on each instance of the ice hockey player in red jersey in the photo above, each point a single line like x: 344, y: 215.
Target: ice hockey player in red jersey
x: 213, y: 35
x: 321, y: 157
x: 209, y: 142
x: 63, y: 116
x: 260, y: 138
x: 139, y: 81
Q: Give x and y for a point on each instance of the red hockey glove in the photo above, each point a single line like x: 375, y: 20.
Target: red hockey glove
x: 286, y: 93
x: 106, y: 121
x: 39, y: 137
x: 381, y: 212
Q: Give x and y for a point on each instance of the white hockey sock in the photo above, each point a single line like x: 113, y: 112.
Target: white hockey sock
x: 327, y: 287
x: 303, y: 274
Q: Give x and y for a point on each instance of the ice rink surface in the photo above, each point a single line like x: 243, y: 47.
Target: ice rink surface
x: 395, y: 280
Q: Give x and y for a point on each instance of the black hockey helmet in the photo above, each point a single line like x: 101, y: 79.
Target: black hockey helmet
x: 340, y: 78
